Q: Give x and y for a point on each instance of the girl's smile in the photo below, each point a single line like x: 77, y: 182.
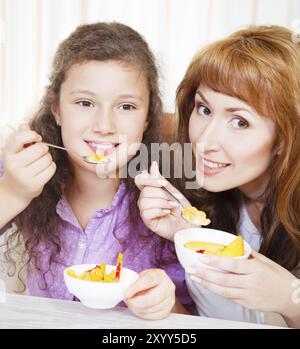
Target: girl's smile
x: 104, y: 147
x: 103, y: 108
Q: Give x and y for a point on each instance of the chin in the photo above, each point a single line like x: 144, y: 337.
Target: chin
x: 217, y: 188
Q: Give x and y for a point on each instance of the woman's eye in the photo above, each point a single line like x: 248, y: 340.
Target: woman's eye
x: 85, y: 103
x: 239, y: 123
x: 202, y: 109
x: 127, y: 107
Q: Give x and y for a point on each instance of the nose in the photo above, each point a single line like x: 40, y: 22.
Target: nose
x: 210, y: 136
x: 104, y: 122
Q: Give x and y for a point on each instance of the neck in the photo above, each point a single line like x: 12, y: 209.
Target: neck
x: 87, y: 187
x: 255, y: 191
x: 255, y: 198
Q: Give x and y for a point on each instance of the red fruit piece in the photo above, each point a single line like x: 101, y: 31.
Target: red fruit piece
x: 200, y: 251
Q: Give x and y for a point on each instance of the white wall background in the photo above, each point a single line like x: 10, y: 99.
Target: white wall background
x: 30, y: 31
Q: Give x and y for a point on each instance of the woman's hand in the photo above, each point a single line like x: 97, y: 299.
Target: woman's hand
x: 152, y: 296
x: 160, y: 212
x: 257, y: 283
x: 28, y: 165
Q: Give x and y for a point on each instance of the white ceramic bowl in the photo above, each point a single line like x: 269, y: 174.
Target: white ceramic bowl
x: 188, y: 258
x: 99, y: 295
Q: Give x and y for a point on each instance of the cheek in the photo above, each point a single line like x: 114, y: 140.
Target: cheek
x: 132, y: 129
x: 258, y: 154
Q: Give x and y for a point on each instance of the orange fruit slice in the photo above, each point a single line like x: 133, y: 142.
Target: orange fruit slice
x: 234, y: 249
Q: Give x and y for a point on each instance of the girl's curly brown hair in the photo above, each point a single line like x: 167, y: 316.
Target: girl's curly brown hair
x: 40, y: 222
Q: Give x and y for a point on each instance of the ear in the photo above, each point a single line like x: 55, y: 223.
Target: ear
x: 56, y: 112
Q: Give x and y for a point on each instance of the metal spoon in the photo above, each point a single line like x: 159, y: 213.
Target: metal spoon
x: 82, y: 157
x: 198, y: 224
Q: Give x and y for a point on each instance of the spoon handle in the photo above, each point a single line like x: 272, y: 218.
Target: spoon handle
x: 173, y: 196
x: 62, y: 148
x: 56, y: 146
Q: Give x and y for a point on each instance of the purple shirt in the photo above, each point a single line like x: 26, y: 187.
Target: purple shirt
x: 97, y: 244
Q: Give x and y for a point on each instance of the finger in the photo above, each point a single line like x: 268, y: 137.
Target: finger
x: 147, y: 279
x: 46, y: 175
x: 145, y: 299
x: 156, y: 316
x: 164, y: 305
x: 237, y: 266
x: 19, y: 139
x: 142, y: 180
x: 41, y: 164
x: 152, y: 316
x: 151, y: 297
x: 151, y: 192
x: 155, y: 180
x: 261, y: 257
x: 154, y: 169
x: 220, y: 278
x: 155, y: 213
x: 29, y: 155
x: 146, y: 203
x: 155, y: 193
x: 226, y: 292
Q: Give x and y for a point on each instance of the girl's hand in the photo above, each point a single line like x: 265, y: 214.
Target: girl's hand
x: 257, y: 283
x: 160, y: 212
x: 152, y: 296
x: 28, y: 165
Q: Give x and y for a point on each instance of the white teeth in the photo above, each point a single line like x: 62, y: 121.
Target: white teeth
x: 102, y: 146
x: 213, y: 164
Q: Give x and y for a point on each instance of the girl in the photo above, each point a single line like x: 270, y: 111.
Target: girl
x: 103, y: 96
x: 239, y: 105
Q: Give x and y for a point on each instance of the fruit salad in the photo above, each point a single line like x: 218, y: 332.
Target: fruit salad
x: 234, y: 249
x: 195, y: 216
x: 97, y: 157
x: 98, y: 274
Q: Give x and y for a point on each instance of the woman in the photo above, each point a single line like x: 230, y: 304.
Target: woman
x: 239, y: 107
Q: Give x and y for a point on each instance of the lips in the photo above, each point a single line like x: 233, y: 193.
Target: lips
x: 212, y: 167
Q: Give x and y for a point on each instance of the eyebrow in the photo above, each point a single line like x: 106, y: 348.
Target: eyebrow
x: 230, y: 110
x: 134, y: 96
x: 87, y: 92
x: 202, y: 96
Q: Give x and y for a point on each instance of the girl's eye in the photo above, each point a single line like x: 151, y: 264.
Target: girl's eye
x: 239, y: 122
x: 85, y: 103
x: 202, y: 109
x: 127, y: 107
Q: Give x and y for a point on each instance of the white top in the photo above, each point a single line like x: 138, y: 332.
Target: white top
x: 212, y: 305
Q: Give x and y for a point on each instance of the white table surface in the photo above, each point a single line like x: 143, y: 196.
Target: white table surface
x: 19, y: 311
